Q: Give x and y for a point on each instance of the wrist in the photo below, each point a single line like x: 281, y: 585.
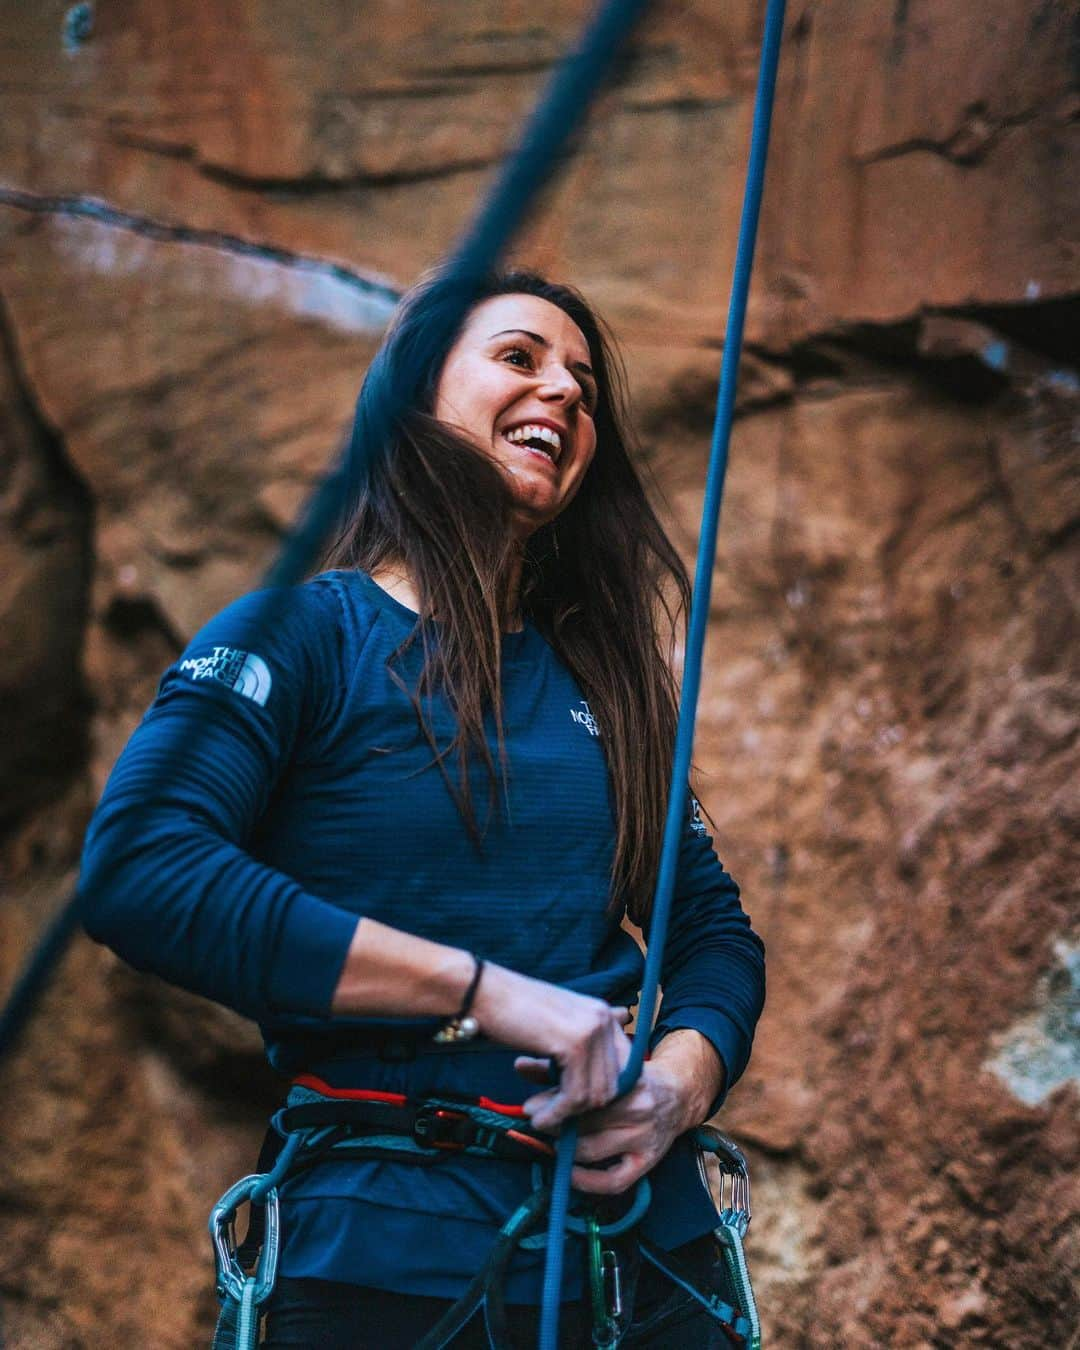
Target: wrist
x: 694, y: 1072
x: 463, y: 1026
x: 498, y: 989
x: 460, y: 972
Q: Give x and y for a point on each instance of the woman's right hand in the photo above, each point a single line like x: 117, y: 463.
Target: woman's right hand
x: 581, y: 1037
x: 391, y: 973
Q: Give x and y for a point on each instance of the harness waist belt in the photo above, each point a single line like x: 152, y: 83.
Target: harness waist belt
x: 363, y: 1120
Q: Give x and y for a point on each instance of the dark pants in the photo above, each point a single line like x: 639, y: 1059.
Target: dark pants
x: 324, y: 1315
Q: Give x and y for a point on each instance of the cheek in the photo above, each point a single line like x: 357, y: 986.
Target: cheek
x: 455, y: 393
x: 474, y: 399
x: 590, y: 454
x: 440, y: 404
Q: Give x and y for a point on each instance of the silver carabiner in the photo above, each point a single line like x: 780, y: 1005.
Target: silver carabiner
x: 609, y: 1269
x: 734, y: 1172
x: 230, y: 1274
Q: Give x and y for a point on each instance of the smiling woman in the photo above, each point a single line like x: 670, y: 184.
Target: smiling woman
x: 408, y: 846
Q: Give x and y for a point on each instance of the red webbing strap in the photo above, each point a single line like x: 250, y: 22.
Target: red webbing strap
x: 441, y: 1108
x: 309, y: 1080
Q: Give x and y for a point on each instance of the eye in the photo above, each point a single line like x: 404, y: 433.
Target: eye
x: 518, y: 356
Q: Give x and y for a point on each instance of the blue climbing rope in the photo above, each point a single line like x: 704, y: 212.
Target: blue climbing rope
x: 695, y: 645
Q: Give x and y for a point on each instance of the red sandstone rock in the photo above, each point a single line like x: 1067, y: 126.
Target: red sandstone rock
x: 887, y: 733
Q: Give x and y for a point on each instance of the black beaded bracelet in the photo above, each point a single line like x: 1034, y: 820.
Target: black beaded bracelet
x: 463, y: 1026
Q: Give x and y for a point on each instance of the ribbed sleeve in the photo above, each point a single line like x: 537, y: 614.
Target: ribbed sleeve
x: 714, y: 963
x: 166, y: 881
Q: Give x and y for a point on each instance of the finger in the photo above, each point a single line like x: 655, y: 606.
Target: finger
x: 596, y: 1148
x: 615, y: 1118
x: 548, y: 1110
x: 618, y: 1051
x: 622, y: 1048
x: 595, y: 1070
x: 535, y: 1070
x: 609, y: 1180
x: 539, y: 1106
x: 613, y: 1057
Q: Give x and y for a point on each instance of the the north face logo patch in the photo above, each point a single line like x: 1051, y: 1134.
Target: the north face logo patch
x: 584, y: 718
x: 243, y: 672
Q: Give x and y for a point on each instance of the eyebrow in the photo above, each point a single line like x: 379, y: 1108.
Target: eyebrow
x: 583, y: 366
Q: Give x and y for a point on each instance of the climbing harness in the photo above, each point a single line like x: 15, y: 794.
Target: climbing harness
x: 321, y: 1123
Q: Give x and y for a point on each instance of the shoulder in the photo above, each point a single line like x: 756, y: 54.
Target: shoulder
x: 346, y: 599
x: 285, y: 640
x: 326, y: 609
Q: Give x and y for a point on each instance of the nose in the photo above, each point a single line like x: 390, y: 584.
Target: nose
x: 559, y: 385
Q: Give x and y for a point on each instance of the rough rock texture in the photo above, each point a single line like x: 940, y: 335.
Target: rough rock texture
x: 206, y: 210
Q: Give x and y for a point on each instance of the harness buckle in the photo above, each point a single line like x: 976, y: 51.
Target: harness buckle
x: 440, y: 1127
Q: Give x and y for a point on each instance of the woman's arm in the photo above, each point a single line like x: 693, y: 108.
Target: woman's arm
x: 389, y: 972
x: 168, y: 883
x: 167, y: 880
x: 714, y: 988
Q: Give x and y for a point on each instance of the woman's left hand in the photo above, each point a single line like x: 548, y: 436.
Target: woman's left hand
x: 620, y: 1143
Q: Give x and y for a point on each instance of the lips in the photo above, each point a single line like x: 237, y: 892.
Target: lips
x: 540, y: 437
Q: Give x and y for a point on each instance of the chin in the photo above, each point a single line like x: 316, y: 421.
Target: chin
x: 535, y: 501
x: 530, y: 516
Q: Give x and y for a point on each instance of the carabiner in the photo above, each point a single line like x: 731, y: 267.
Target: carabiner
x: 231, y: 1278
x: 605, y: 1288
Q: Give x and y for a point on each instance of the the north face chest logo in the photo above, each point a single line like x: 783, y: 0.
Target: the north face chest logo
x: 242, y: 672
x: 584, y: 718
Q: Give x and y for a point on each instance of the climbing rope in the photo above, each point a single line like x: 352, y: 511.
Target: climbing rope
x: 695, y: 646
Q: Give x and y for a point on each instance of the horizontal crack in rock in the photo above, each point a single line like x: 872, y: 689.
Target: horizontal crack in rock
x: 316, y: 184
x: 486, y: 69
x: 91, y: 208
x: 296, y: 185
x: 968, y: 145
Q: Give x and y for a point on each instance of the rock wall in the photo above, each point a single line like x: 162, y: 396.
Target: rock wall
x: 206, y: 211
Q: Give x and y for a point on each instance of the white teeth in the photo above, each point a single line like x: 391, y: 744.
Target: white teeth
x: 532, y: 432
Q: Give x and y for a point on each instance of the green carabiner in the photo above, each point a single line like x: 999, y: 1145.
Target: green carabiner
x: 603, y: 1271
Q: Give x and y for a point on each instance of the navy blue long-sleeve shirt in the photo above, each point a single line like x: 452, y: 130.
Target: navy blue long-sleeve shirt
x: 278, y: 789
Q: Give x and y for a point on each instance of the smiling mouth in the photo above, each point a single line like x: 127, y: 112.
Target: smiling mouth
x: 541, y: 440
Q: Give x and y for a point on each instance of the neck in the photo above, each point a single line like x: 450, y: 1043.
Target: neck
x: 395, y: 579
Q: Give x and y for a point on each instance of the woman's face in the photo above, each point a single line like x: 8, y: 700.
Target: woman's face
x: 518, y: 383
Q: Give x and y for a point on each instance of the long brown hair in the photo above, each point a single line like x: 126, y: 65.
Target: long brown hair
x: 602, y: 582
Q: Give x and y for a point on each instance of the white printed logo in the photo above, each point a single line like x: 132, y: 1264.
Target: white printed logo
x: 243, y: 672
x: 696, y: 823
x: 584, y: 718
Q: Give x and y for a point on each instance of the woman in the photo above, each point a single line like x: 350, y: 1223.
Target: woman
x: 440, y: 781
